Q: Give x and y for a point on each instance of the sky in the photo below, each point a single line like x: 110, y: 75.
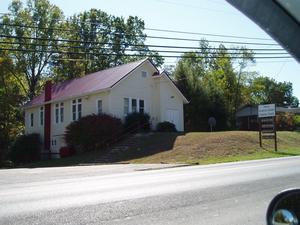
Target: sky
x: 198, y: 16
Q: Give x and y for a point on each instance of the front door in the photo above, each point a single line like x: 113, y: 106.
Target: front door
x: 172, y: 116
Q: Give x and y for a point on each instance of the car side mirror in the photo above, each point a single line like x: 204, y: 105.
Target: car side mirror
x: 284, y: 209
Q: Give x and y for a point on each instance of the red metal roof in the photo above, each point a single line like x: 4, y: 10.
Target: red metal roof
x: 97, y: 81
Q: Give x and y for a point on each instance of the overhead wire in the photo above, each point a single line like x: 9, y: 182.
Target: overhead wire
x: 139, y: 55
x: 128, y: 49
x: 205, y: 34
x: 108, y: 45
x: 133, y: 45
x: 148, y: 36
x: 147, y: 28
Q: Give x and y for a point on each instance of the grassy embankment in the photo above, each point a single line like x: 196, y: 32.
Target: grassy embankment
x: 206, y: 148
x: 198, y: 147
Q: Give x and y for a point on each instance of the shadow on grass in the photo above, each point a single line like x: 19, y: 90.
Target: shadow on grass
x: 138, y: 146
x: 141, y: 146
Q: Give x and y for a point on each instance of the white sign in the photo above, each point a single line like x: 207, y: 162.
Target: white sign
x: 266, y: 110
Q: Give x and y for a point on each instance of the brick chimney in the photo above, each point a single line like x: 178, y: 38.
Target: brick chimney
x: 48, y: 90
x: 47, y: 123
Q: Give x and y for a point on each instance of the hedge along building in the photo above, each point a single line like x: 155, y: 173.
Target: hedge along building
x: 132, y: 87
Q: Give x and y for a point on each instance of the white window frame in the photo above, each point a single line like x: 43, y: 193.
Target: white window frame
x: 136, y: 105
x: 42, y: 116
x: 139, y: 106
x: 130, y: 104
x: 56, y: 113
x: 78, y: 114
x: 72, y: 113
x: 144, y: 73
x: 31, y: 119
x: 97, y: 106
x: 59, y: 112
x: 126, y: 113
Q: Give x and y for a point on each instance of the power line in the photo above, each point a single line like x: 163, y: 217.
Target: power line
x: 128, y: 49
x: 144, y: 55
x: 64, y: 29
x: 149, y: 36
x: 165, y: 30
x: 206, y: 34
x: 286, y: 61
x: 133, y: 45
x: 36, y: 27
x: 212, y: 41
x: 251, y: 65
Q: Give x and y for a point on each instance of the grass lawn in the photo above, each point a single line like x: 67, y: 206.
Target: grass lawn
x: 229, y: 146
x: 193, y: 148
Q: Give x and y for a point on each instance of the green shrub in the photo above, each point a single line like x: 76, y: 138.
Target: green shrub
x: 4, y: 144
x: 6, y: 164
x: 137, y: 122
x: 93, y: 132
x: 166, y: 127
x: 297, y: 121
x: 26, y: 148
x: 285, y: 121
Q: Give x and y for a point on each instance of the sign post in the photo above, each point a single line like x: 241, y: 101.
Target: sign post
x: 267, y: 123
x: 212, y: 122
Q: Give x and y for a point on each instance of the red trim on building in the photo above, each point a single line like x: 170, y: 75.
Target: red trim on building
x: 47, y: 124
x: 155, y: 73
x: 48, y: 90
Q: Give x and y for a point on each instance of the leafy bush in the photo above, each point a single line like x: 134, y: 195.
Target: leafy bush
x: 297, y: 121
x: 66, y: 152
x: 285, y: 121
x: 166, y: 127
x: 26, y: 148
x: 92, y: 132
x: 4, y: 142
x: 137, y: 122
x: 6, y: 164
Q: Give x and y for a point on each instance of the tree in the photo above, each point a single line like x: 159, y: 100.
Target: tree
x: 212, y: 84
x: 188, y: 74
x: 242, y: 57
x: 11, y: 98
x: 100, y: 41
x: 265, y: 90
x: 42, y: 44
x: 33, y: 32
x: 37, y: 43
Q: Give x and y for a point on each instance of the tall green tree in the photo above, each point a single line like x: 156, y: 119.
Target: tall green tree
x: 100, y: 41
x: 265, y: 90
x: 32, y: 31
x: 11, y: 99
x: 186, y: 77
x: 213, y: 80
x: 242, y: 57
x: 44, y: 45
x: 227, y: 72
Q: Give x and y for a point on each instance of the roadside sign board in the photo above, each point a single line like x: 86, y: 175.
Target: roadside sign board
x: 267, y: 123
x: 266, y: 110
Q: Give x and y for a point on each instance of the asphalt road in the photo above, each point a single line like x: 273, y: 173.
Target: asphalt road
x: 232, y: 193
